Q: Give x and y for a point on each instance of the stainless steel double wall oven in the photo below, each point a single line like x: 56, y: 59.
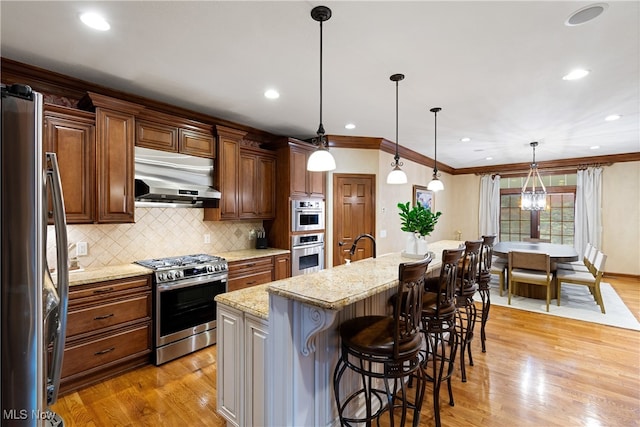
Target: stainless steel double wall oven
x: 307, y: 239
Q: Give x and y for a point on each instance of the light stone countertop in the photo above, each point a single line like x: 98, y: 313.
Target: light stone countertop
x: 102, y: 274
x: 245, y: 254
x: 333, y: 288
x: 111, y: 272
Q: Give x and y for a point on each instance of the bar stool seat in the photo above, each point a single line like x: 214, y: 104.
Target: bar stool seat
x: 385, y: 352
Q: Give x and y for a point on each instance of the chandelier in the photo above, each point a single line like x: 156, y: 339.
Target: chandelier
x: 533, y: 199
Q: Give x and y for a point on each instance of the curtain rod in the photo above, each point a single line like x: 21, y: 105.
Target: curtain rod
x: 565, y: 169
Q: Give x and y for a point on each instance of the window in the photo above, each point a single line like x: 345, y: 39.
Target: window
x: 555, y: 223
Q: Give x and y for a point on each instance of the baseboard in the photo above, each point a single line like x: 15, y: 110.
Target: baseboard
x: 621, y: 275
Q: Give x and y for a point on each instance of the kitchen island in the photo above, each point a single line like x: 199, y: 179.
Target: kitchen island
x: 278, y: 343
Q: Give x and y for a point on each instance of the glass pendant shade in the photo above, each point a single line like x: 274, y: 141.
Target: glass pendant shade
x: 321, y: 160
x: 435, y: 185
x: 533, y: 199
x: 397, y: 176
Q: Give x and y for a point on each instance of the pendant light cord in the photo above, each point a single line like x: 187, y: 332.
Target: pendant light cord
x: 321, y: 127
x: 397, y: 156
x: 435, y: 111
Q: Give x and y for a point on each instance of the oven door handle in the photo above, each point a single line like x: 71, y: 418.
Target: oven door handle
x: 310, y: 246
x: 164, y: 287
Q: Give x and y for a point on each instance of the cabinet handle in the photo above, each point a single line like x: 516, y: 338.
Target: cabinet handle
x: 252, y: 282
x: 103, y: 317
x: 101, y: 291
x: 251, y: 265
x: 104, y: 351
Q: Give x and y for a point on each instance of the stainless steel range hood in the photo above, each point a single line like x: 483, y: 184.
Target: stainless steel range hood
x: 176, y: 179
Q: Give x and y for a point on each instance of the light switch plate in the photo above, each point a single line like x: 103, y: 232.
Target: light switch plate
x: 82, y: 249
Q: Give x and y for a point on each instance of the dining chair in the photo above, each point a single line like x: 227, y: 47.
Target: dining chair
x: 530, y: 268
x: 590, y: 279
x: 583, y: 265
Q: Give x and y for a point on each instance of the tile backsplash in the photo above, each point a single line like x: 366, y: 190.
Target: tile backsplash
x: 156, y: 233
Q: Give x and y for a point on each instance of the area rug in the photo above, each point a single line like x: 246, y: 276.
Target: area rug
x: 576, y: 303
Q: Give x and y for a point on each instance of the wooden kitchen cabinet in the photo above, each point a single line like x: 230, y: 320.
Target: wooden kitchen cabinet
x: 257, y: 183
x: 302, y: 182
x: 282, y: 266
x: 108, y: 330
x: 160, y: 131
x: 115, y: 135
x: 70, y: 133
x: 241, y: 386
x: 246, y: 177
x: 251, y: 272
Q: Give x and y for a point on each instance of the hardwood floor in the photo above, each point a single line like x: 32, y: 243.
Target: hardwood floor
x: 538, y: 370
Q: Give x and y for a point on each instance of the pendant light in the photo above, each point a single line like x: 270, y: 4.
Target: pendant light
x: 435, y: 185
x: 321, y: 160
x: 397, y: 175
x: 533, y: 200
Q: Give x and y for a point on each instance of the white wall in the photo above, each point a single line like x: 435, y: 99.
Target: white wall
x: 621, y: 217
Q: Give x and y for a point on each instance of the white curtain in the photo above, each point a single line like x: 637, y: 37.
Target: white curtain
x: 588, y: 209
x: 489, y: 218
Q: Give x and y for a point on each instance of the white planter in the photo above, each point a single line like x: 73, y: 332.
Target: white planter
x: 412, y: 244
x: 422, y: 246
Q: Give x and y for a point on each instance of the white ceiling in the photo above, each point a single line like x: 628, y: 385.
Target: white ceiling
x: 495, y: 68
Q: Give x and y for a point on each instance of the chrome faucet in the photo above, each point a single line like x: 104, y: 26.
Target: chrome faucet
x: 355, y: 243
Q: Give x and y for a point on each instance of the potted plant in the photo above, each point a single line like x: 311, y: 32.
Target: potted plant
x: 420, y: 222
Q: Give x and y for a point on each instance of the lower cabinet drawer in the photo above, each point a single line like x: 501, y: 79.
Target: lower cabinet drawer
x: 248, y: 281
x: 101, y: 351
x: 98, y: 317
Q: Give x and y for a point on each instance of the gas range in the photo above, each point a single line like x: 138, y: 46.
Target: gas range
x: 181, y: 267
x: 184, y: 307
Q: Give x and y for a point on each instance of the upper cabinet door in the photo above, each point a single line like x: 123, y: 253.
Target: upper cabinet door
x: 303, y: 182
x: 71, y: 135
x: 158, y: 136
x: 114, y: 165
x: 197, y: 143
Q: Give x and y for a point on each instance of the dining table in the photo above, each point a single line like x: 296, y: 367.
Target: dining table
x: 557, y: 253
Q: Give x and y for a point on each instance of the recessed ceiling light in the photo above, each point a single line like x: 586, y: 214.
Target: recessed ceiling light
x: 595, y: 147
x: 612, y: 117
x: 465, y: 139
x: 349, y: 126
x: 585, y: 14
x: 576, y: 74
x: 271, y: 94
x: 489, y: 158
x: 95, y: 21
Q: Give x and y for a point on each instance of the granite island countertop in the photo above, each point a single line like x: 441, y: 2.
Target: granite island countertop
x: 333, y: 288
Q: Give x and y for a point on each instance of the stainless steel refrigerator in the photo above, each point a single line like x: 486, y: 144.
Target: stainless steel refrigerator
x: 33, y: 308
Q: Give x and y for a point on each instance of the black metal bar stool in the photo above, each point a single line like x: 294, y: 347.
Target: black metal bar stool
x: 484, y: 278
x: 386, y: 349
x: 466, y: 288
x: 439, y: 327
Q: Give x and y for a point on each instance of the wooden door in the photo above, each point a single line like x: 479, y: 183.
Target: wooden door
x: 353, y: 214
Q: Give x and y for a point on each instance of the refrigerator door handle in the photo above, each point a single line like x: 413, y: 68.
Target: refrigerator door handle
x: 53, y: 176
